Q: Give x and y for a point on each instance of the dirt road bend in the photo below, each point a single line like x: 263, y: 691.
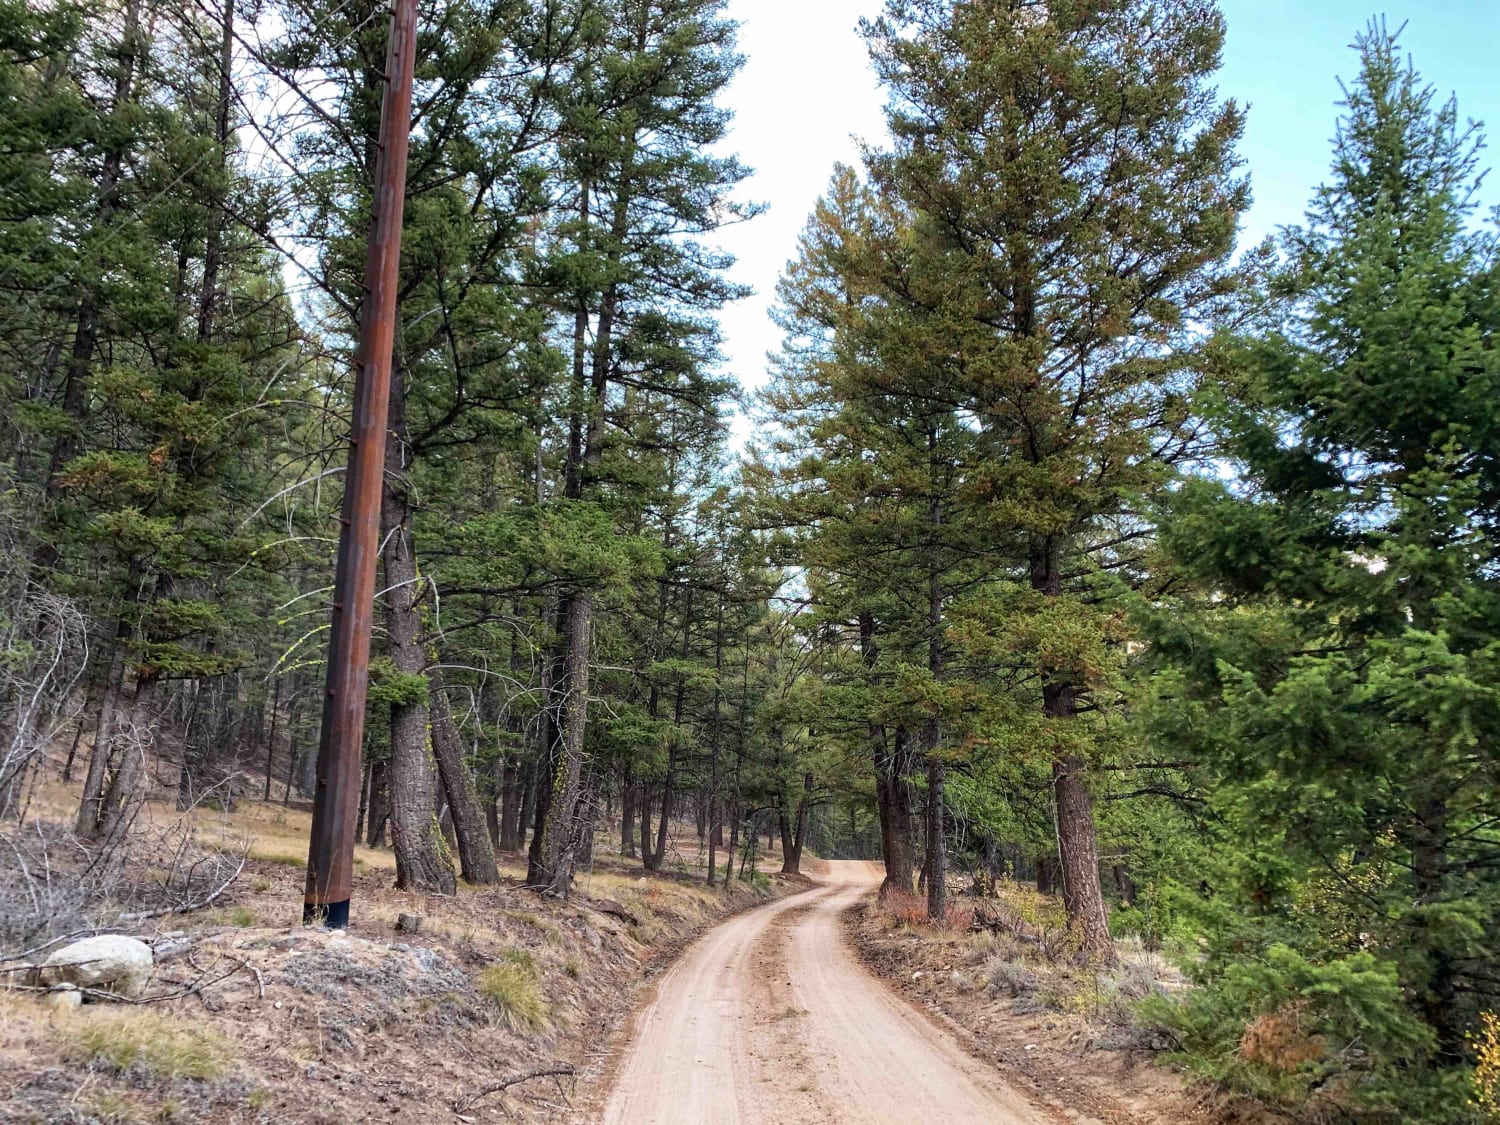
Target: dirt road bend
x: 769, y: 1017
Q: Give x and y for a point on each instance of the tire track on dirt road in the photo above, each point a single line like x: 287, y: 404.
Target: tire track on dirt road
x: 770, y: 1018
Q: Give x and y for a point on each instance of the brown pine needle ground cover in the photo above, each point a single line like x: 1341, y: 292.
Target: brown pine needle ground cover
x: 1012, y: 993
x: 370, y: 1025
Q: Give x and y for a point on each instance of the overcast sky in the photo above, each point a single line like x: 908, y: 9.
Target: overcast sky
x: 807, y: 91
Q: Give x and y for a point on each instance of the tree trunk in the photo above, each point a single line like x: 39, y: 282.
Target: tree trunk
x: 476, y: 855
x: 364, y: 802
x: 564, y: 822
x: 937, y: 856
x: 627, y: 816
x: 1073, y: 808
x: 124, y: 796
x: 91, y: 804
x: 1438, y: 1000
x: 1078, y: 861
x: 660, y: 852
x: 932, y: 738
x: 793, y: 832
x: 527, y: 800
x: 649, y: 859
x: 492, y: 803
x: 380, y: 806
x: 1046, y: 875
x: 893, y: 795
x: 892, y: 789
x: 512, y: 795
x: 549, y: 751
x: 271, y: 738
x: 421, y: 861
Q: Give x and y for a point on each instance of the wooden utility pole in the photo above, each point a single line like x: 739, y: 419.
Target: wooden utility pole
x: 330, y: 857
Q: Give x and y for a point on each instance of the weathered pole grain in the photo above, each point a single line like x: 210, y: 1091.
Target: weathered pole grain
x: 330, y: 858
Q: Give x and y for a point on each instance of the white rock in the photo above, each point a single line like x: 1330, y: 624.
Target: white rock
x: 111, y: 962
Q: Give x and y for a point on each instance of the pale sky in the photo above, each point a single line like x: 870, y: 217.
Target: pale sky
x: 807, y: 91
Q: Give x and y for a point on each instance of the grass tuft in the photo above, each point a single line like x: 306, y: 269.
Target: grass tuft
x: 144, y: 1041
x: 514, y: 984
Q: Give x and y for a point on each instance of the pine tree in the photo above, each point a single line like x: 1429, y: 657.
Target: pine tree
x: 877, y: 461
x: 1074, y: 169
x: 637, y: 289
x: 1345, y: 683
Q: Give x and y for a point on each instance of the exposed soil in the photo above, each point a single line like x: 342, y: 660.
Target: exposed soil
x: 1089, y: 1069
x: 771, y: 1018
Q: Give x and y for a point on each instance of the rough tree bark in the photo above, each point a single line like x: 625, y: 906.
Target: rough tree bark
x: 794, y: 833
x: 932, y: 738
x: 378, y: 816
x: 476, y: 854
x: 561, y: 830
x: 893, y: 804
x: 1073, y: 807
x: 421, y: 860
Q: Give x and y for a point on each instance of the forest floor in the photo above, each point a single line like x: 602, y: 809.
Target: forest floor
x: 1065, y: 1035
x: 308, y: 1026
x: 821, y: 1006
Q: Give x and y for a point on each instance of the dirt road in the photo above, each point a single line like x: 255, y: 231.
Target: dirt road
x: 769, y: 1018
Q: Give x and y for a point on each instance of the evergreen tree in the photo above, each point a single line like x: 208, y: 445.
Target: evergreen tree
x: 1343, y: 683
x: 1074, y: 170
x: 637, y: 290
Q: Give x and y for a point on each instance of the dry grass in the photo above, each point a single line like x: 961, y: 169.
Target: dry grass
x: 496, y: 977
x: 276, y: 834
x: 114, y: 1040
x: 157, y: 1045
x: 1017, y: 947
x: 514, y: 984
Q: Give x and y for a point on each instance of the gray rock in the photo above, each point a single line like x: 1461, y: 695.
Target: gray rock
x: 111, y: 962
x: 63, y: 997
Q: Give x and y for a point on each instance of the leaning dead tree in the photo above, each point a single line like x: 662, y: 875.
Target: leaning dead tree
x: 43, y: 652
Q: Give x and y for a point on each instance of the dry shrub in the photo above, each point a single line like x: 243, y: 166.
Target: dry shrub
x: 1010, y: 977
x: 958, y: 915
x: 905, y: 909
x: 1486, y: 1096
x: 1277, y: 1040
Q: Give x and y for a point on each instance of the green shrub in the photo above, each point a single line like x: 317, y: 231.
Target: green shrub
x: 1334, y: 1037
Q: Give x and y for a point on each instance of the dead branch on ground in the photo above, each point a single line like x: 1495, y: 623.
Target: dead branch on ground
x: 557, y: 1072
